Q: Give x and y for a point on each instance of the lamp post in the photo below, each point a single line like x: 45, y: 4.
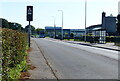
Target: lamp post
x: 62, y: 25
x: 54, y: 28
x: 85, y: 18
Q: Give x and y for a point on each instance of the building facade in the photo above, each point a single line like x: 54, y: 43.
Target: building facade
x: 53, y: 31
x: 108, y: 23
x: 56, y: 31
x: 78, y: 32
x: 90, y: 28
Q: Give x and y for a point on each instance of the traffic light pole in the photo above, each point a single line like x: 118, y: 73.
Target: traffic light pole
x: 29, y: 18
x: 29, y: 33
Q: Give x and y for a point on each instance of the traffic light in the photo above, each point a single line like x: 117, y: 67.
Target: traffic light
x: 118, y: 24
x: 29, y: 13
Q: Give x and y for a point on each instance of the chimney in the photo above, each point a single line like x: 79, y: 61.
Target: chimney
x: 103, y: 19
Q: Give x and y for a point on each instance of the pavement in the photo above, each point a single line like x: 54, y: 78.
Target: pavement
x: 42, y: 70
x: 110, y: 46
x: 62, y: 60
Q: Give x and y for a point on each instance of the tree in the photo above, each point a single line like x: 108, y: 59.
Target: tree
x: 71, y: 35
x: 118, y: 24
x: 5, y: 23
x: 15, y: 26
x: 39, y: 31
x: 22, y: 29
x: 32, y: 29
x: 11, y: 25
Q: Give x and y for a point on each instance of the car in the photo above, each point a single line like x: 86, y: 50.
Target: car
x: 42, y: 36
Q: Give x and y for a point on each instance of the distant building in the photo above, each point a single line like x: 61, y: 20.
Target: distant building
x: 90, y: 28
x: 108, y: 23
x: 66, y: 33
x: 78, y: 32
x: 50, y: 31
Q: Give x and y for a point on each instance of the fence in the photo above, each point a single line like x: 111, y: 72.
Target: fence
x: 117, y: 41
x: 91, y: 39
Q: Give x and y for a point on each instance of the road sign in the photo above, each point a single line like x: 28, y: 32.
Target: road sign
x: 29, y: 13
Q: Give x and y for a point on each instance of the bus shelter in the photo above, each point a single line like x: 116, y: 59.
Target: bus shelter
x: 99, y: 35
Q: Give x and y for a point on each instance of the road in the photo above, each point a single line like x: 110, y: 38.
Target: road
x: 69, y: 62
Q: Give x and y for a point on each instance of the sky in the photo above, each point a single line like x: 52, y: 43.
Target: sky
x: 44, y: 12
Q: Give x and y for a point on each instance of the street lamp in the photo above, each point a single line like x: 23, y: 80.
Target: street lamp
x: 85, y: 18
x: 54, y: 28
x: 62, y: 25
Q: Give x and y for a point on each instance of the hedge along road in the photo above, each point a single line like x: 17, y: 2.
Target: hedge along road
x: 73, y: 63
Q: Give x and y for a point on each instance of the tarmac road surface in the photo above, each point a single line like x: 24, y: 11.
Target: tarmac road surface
x: 74, y: 63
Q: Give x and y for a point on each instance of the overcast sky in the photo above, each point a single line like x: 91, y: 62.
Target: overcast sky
x: 44, y: 10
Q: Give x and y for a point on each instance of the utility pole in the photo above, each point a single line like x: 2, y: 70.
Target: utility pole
x: 85, y: 18
x: 54, y: 28
x: 62, y: 25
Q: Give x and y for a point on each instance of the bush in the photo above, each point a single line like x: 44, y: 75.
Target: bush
x: 14, y: 46
x: 117, y: 41
x: 110, y: 38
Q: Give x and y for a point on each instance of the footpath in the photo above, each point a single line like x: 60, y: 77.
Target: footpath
x: 42, y: 70
x: 110, y: 46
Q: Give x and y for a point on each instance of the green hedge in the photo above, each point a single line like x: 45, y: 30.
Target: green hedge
x: 117, y: 41
x: 112, y: 39
x: 14, y: 46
